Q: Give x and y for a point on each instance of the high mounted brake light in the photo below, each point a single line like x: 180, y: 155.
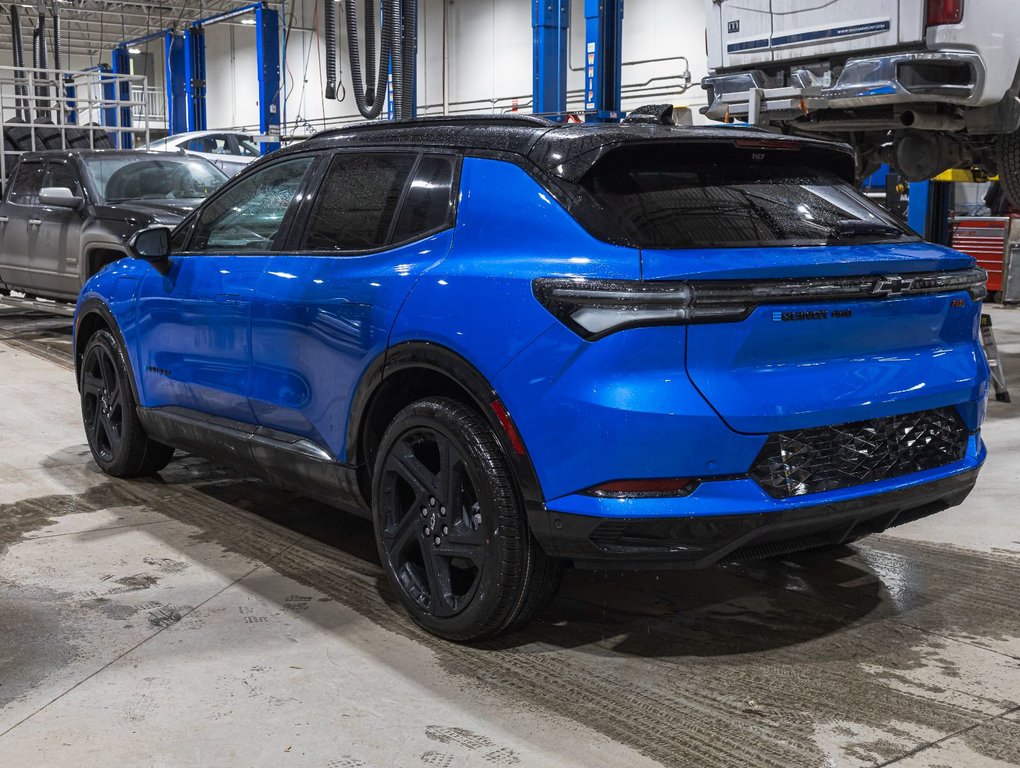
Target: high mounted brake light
x: 944, y: 12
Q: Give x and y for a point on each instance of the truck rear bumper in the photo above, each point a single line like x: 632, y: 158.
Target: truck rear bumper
x: 950, y: 77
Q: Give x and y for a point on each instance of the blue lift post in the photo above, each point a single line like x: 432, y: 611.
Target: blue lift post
x: 176, y: 84
x: 109, y: 113
x: 928, y: 210
x: 603, y: 60
x: 194, y: 76
x: 267, y: 42
x: 550, y: 20
x: 122, y: 66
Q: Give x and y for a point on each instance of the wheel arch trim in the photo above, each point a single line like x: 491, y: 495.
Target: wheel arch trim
x: 96, y: 306
x: 448, y: 363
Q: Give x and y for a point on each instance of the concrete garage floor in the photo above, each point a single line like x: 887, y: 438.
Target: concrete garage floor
x: 200, y: 618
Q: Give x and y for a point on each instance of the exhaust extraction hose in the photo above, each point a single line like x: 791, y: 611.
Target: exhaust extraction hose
x: 20, y: 89
x: 56, y: 36
x: 410, y: 41
x: 330, y: 21
x: 370, y: 101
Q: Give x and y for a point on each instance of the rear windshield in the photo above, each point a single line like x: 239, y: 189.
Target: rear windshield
x: 722, y: 195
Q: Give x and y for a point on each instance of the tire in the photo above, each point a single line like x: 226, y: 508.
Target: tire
x: 115, y: 436
x: 471, y: 571
x: 1007, y: 155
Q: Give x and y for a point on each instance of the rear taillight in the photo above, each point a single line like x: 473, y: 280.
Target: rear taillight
x: 944, y: 12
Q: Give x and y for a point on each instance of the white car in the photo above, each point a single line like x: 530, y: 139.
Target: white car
x: 230, y: 151
x: 924, y: 85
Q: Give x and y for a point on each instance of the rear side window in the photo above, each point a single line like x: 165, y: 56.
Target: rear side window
x: 356, y: 202
x: 428, y: 204
x: 722, y: 195
x: 26, y: 185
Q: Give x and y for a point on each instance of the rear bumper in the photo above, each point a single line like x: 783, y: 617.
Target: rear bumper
x: 698, y: 541
x: 953, y: 77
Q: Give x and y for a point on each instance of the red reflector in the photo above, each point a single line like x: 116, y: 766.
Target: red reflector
x: 673, y: 486
x: 944, y: 12
x: 508, y: 426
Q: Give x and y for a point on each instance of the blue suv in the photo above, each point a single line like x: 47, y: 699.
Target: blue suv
x: 518, y: 345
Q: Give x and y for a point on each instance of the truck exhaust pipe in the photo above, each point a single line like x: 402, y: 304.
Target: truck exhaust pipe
x: 926, y: 121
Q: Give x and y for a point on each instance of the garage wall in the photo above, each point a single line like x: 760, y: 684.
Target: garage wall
x: 489, y: 59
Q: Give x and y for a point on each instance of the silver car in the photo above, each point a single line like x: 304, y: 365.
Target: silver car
x: 230, y: 151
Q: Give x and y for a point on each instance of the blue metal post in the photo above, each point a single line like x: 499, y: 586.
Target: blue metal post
x: 267, y: 42
x: 109, y: 112
x: 917, y: 206
x: 550, y: 20
x: 603, y: 60
x: 122, y: 66
x: 194, y: 77
x: 176, y: 82
x: 71, y: 94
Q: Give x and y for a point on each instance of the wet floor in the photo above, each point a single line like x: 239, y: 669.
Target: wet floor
x: 205, y: 615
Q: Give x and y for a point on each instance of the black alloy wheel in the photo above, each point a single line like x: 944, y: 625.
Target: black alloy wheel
x: 102, y: 404
x: 115, y: 436
x: 450, y: 526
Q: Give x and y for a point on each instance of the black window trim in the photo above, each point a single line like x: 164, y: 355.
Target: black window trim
x: 300, y: 225
x: 278, y: 246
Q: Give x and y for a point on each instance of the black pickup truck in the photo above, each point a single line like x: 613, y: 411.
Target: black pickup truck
x: 67, y: 213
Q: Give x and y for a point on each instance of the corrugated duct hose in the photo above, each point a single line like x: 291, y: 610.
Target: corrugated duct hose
x: 398, y: 37
x: 410, y: 42
x: 370, y: 101
x: 20, y: 89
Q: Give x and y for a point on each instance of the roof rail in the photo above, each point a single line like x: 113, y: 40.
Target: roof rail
x: 505, y: 119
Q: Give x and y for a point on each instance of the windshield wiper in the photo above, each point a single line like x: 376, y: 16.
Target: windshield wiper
x: 843, y: 230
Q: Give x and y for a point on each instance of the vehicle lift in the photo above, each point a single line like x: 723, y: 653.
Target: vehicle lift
x: 184, y: 56
x: 603, y: 58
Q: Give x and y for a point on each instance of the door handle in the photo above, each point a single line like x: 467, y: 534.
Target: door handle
x: 34, y: 222
x: 4, y: 219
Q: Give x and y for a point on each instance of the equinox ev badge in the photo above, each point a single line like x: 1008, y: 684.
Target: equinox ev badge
x: 810, y: 314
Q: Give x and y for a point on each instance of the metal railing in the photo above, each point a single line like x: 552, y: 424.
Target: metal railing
x: 48, y: 109
x: 151, y: 103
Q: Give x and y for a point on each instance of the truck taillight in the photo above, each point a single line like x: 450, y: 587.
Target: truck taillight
x: 944, y: 12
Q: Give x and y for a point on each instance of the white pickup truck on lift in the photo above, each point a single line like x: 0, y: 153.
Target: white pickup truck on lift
x: 924, y: 85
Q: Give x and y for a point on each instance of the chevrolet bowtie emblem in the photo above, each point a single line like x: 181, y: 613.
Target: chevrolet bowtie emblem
x: 891, y: 285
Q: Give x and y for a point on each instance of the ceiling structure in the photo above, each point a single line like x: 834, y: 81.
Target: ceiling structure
x: 90, y: 28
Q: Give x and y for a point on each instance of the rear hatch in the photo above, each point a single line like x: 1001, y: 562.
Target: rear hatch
x: 813, y: 305
x: 757, y: 31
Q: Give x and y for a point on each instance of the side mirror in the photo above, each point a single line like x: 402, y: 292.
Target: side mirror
x: 61, y: 197
x: 153, y: 245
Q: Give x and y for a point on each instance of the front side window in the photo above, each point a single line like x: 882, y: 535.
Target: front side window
x: 248, y: 216
x: 247, y: 148
x: 355, y: 205
x: 62, y: 175
x: 26, y: 185
x: 214, y: 145
x: 720, y: 195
